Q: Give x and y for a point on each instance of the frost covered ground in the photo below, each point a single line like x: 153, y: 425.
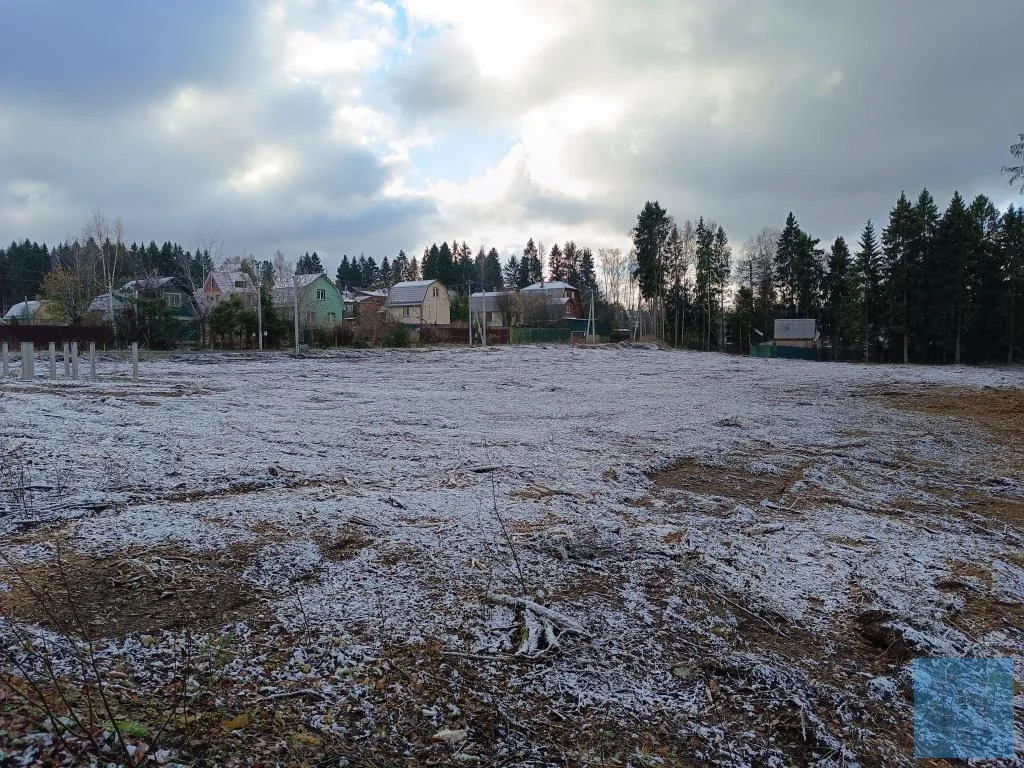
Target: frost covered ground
x: 510, y: 556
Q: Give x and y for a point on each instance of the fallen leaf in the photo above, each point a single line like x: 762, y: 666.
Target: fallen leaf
x: 450, y: 736
x: 236, y: 723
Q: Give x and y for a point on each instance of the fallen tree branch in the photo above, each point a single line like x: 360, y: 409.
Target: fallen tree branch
x: 543, y: 625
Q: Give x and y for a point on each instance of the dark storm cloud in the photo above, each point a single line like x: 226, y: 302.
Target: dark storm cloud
x: 109, y: 54
x: 161, y: 113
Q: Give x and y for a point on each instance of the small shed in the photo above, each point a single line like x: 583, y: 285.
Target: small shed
x: 797, y: 332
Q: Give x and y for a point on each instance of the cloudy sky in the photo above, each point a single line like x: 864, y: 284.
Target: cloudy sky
x: 371, y: 126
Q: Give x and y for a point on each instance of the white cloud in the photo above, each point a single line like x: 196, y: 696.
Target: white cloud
x: 736, y: 111
x: 264, y: 166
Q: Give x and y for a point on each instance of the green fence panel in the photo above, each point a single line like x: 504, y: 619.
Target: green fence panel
x: 796, y: 353
x: 539, y: 335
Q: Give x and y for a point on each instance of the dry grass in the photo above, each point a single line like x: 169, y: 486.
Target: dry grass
x: 732, y: 482
x: 117, y: 595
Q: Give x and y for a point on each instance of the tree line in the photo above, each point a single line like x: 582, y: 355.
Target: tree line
x: 935, y: 286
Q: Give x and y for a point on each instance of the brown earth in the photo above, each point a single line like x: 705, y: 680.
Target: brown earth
x: 116, y: 595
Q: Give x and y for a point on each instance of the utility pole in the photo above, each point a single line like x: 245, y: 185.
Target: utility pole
x: 295, y: 304
x: 469, y: 308
x: 259, y: 304
x: 591, y: 326
x: 483, y: 316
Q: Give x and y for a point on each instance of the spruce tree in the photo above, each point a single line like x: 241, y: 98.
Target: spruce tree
x: 556, y: 264
x: 341, y: 277
x: 492, y: 271
x: 866, y: 280
x: 510, y: 273
x: 1011, y: 246
x: 785, y: 265
x: 950, y: 272
x: 587, y: 271
x: 705, y: 279
x: 837, y: 294
x: 571, y: 265
x: 900, y: 271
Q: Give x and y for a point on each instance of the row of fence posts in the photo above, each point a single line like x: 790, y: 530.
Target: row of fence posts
x: 28, y: 360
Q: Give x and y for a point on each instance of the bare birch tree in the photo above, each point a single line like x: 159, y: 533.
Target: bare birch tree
x: 614, y: 273
x: 109, y: 238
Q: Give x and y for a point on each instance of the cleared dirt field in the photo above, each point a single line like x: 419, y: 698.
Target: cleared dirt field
x: 512, y: 556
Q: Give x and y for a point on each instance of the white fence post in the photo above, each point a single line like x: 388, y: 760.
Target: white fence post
x: 92, y: 360
x: 135, y: 361
x: 53, y: 360
x: 67, y: 360
x: 74, y: 360
x: 28, y: 360
x: 4, y: 351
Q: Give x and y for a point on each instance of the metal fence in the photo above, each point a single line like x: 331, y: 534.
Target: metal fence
x: 770, y: 349
x: 41, y: 335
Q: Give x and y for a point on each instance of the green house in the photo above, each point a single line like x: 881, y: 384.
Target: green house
x: 320, y: 304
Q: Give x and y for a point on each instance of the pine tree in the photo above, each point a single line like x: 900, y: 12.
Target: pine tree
x: 722, y: 256
x: 948, y: 278
x: 464, y: 268
x: 900, y: 270
x: 867, y: 276
x: 414, y: 270
x: 571, y: 265
x: 556, y: 265
x: 400, y: 268
x: 652, y: 227
x: 837, y: 294
x: 510, y: 273
x: 444, y: 266
x: 705, y: 278
x: 492, y: 271
x: 530, y: 266
x: 587, y: 271
x: 1011, y: 246
x: 524, y: 271
x: 386, y: 274
x: 985, y: 283
x: 785, y: 265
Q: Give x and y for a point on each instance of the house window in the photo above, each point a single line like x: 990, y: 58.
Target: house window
x: 489, y: 316
x: 332, y: 317
x: 239, y: 283
x: 321, y: 294
x: 405, y: 311
x: 437, y: 292
x: 311, y: 317
x: 173, y: 299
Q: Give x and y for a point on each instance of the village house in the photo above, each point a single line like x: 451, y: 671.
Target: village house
x: 30, y: 313
x: 320, y: 302
x: 419, y: 302
x: 497, y: 307
x: 562, y: 297
x: 172, y: 291
x: 219, y: 286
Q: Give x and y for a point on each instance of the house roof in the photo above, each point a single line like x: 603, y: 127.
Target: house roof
x: 147, y: 283
x: 488, y: 301
x: 554, y: 285
x: 410, y: 292
x: 23, y: 309
x: 303, y: 281
x: 284, y: 291
x: 226, y: 282
x: 103, y: 302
